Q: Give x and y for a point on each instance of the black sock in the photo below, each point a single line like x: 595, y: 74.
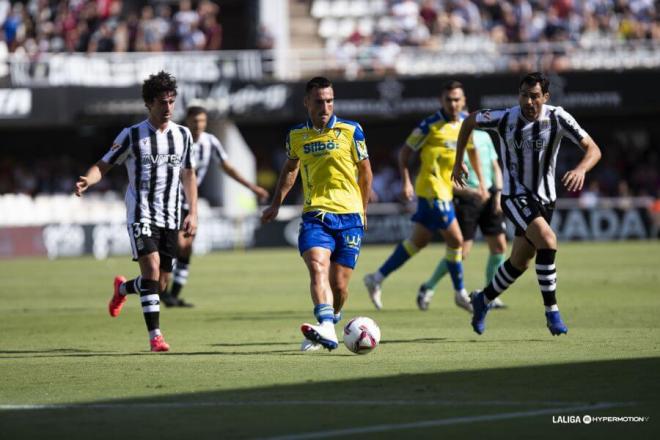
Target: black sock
x: 505, y: 276
x: 180, y: 277
x: 131, y: 286
x: 150, y: 303
x: 546, y: 274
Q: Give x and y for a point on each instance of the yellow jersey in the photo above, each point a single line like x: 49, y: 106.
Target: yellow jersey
x: 435, y: 138
x: 328, y: 164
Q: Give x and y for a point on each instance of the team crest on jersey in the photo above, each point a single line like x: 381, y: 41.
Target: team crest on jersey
x: 545, y: 124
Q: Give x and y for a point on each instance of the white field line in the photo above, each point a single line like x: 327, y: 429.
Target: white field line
x: 449, y: 421
x: 211, y: 404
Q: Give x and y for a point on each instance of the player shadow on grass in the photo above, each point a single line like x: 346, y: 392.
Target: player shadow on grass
x: 447, y: 404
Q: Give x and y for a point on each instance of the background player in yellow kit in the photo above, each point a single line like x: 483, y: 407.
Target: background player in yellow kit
x: 435, y: 140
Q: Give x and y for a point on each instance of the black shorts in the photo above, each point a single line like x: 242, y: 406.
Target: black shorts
x: 523, y: 209
x: 146, y: 239
x: 472, y: 212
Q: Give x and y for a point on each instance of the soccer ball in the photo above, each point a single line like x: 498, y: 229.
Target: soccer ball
x: 361, y: 335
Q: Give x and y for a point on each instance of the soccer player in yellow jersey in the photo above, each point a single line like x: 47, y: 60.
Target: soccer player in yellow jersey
x: 435, y: 140
x: 331, y: 155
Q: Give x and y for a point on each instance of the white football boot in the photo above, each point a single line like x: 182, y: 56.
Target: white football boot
x: 462, y: 300
x: 424, y: 297
x: 497, y: 304
x: 373, y: 287
x: 323, y: 334
x: 308, y: 345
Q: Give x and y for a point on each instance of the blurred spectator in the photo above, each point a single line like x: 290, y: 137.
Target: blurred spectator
x: 265, y: 38
x: 555, y: 25
x: 47, y: 26
x: 589, y: 197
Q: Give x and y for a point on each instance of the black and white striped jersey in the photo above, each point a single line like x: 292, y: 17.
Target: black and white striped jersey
x: 528, y: 150
x: 206, y: 147
x: 153, y: 160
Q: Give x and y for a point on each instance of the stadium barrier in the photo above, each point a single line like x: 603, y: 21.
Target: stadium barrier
x: 89, y: 233
x: 584, y: 93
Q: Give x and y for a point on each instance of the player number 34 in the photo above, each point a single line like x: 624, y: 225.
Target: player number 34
x: 140, y: 229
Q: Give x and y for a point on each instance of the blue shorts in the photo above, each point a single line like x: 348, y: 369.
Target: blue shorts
x: 341, y: 233
x: 434, y: 214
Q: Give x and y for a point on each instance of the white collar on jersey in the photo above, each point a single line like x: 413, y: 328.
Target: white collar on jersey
x: 544, y: 109
x: 330, y: 124
x: 167, y: 128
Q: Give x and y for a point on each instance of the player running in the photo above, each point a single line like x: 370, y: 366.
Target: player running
x: 205, y: 146
x: 157, y: 155
x: 435, y: 140
x: 331, y: 154
x: 473, y: 212
x: 529, y: 136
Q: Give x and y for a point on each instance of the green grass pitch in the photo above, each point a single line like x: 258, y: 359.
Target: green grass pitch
x: 235, y: 371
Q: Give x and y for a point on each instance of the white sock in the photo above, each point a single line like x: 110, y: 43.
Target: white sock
x: 378, y: 277
x: 552, y: 308
x: 154, y: 333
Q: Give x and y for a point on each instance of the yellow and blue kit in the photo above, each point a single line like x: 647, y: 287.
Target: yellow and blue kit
x: 332, y: 212
x: 435, y: 139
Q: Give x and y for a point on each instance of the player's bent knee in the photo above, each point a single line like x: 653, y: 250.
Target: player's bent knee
x: 549, y: 240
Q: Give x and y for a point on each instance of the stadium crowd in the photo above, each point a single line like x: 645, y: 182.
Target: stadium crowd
x: 469, y: 25
x: 50, y: 26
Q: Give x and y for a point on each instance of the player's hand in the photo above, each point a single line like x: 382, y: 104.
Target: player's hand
x: 262, y: 194
x: 269, y: 214
x: 190, y: 225
x: 459, y: 174
x: 407, y: 191
x: 81, y: 186
x: 573, y: 180
x: 484, y: 195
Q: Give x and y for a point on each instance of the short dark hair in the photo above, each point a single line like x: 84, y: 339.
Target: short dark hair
x: 195, y: 110
x: 162, y: 82
x: 451, y: 85
x: 531, y: 79
x: 318, y: 82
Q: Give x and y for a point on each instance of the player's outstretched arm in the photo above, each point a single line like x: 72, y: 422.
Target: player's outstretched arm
x: 407, y: 190
x: 573, y: 180
x: 284, y: 184
x: 498, y: 179
x: 93, y: 176
x: 473, y: 156
x: 261, y: 193
x: 460, y: 169
x: 365, y: 176
x: 189, y: 180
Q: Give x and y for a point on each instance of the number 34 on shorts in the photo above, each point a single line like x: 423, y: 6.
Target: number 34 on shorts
x: 141, y: 229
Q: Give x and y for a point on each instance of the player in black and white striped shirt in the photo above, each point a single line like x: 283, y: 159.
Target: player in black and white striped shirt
x: 205, y: 147
x: 528, y: 137
x: 158, y: 157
